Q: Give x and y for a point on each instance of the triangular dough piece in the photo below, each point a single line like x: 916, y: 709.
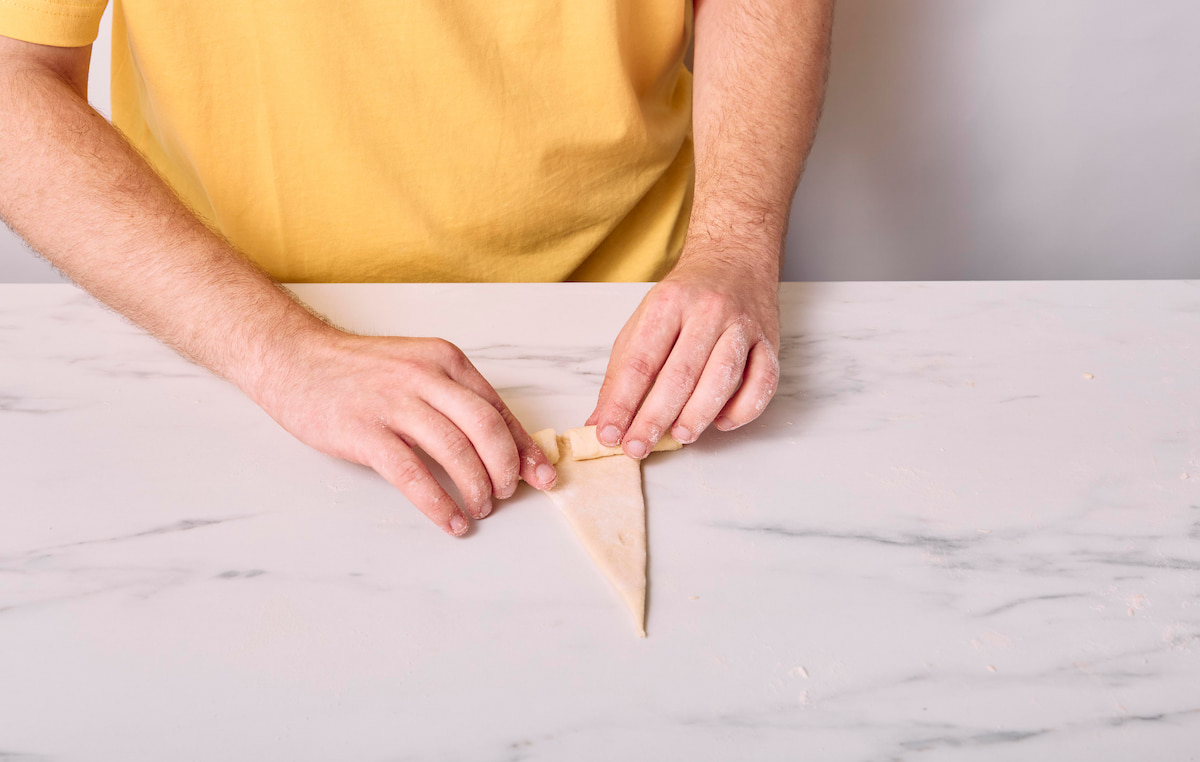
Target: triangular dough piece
x: 602, y: 499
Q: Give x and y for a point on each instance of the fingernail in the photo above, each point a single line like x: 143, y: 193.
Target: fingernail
x: 636, y: 449
x: 610, y: 436
x: 724, y: 424
x: 682, y: 435
x: 546, y: 473
x: 485, y: 509
x: 458, y: 524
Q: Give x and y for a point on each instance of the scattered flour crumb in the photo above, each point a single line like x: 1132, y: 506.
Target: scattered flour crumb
x: 693, y: 597
x: 1088, y: 376
x: 1136, y: 603
x: 991, y: 668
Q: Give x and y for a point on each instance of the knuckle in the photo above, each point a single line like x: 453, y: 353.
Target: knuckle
x: 686, y: 375
x: 770, y: 376
x: 486, y: 421
x: 662, y: 309
x: 402, y: 471
x: 458, y: 448
x: 745, y: 326
x: 438, y: 507
x: 653, y: 427
x: 458, y: 362
x: 618, y: 413
x: 671, y: 394
x: 492, y: 425
x: 771, y: 380
x: 445, y: 352
x: 476, y: 491
x: 409, y: 371
x: 668, y: 291
x: 713, y: 302
x: 510, y: 470
x: 641, y: 367
x: 729, y: 373
x: 506, y: 416
x: 441, y: 345
x: 405, y: 367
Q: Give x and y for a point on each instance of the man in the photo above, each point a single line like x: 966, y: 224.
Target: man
x: 267, y: 140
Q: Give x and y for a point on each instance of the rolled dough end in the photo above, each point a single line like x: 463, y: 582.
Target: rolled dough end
x: 585, y: 445
x: 668, y: 443
x: 549, y: 443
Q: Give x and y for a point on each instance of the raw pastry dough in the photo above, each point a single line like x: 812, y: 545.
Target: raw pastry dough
x: 585, y: 445
x: 602, y: 499
x: 548, y: 442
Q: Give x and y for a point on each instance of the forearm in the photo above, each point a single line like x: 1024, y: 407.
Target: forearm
x: 82, y: 197
x: 760, y: 68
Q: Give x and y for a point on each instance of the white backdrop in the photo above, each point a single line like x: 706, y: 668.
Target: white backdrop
x: 982, y: 139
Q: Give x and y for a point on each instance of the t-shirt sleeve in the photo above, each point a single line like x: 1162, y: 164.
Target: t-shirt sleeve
x: 61, y: 23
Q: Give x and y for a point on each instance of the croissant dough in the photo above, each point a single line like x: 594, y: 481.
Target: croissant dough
x: 585, y: 445
x: 602, y: 500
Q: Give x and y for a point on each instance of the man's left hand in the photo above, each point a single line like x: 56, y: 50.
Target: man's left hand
x: 702, y: 346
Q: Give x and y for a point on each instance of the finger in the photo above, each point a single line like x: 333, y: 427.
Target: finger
x: 672, y: 388
x: 761, y: 382
x: 443, y: 439
x: 536, y: 468
x: 477, y: 435
x: 719, y: 381
x: 508, y: 452
x: 618, y: 349
x: 642, y: 358
x: 401, y: 467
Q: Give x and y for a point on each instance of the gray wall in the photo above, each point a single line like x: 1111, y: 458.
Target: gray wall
x: 965, y: 139
x: 983, y: 139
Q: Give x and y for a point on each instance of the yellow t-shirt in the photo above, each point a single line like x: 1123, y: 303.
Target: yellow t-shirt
x: 409, y: 140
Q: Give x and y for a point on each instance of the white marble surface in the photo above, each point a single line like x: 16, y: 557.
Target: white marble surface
x: 943, y: 541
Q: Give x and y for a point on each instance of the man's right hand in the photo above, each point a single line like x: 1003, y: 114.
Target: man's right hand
x: 373, y: 400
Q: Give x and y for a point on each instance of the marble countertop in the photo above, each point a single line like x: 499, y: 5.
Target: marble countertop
x: 967, y: 528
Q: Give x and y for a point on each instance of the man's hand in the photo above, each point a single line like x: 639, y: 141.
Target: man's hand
x: 702, y: 346
x: 374, y: 400
x: 135, y: 246
x: 712, y: 324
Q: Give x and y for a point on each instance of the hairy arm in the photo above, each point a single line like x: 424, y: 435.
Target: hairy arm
x: 703, y: 344
x: 80, y: 195
x: 760, y: 71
